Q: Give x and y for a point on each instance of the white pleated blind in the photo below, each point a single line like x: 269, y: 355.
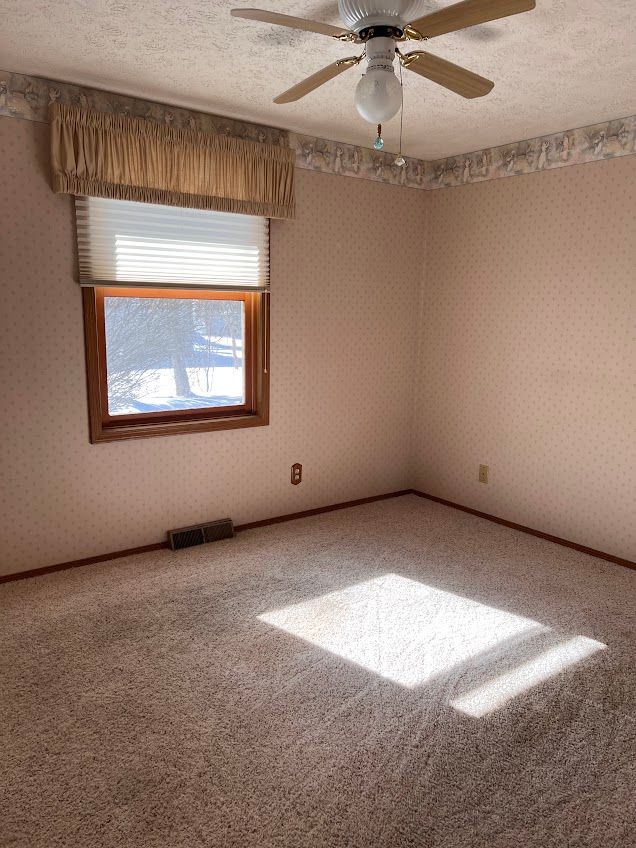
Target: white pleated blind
x: 122, y: 242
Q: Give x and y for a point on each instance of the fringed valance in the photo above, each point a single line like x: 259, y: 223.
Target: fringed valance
x: 118, y: 156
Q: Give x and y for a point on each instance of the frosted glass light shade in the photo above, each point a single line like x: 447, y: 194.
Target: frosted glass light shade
x: 378, y: 96
x: 357, y: 14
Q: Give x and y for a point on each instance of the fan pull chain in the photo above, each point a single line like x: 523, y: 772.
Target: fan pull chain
x: 400, y: 161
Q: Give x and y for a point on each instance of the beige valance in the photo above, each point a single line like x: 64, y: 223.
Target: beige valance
x: 119, y: 156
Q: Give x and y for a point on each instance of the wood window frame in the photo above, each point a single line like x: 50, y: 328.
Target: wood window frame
x: 253, y: 413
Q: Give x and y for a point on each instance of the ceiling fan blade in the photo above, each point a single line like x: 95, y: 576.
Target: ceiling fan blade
x: 294, y: 23
x: 317, y: 79
x: 467, y: 14
x: 447, y: 74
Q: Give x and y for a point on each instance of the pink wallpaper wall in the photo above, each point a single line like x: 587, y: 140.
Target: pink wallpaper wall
x: 524, y: 359
x: 343, y: 330
x: 528, y: 352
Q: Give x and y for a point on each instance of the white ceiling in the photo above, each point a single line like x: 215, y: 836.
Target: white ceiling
x: 567, y: 64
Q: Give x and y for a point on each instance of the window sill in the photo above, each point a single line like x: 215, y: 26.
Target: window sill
x: 115, y: 432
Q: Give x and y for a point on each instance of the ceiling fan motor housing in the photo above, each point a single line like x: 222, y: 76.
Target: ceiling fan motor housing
x: 357, y: 15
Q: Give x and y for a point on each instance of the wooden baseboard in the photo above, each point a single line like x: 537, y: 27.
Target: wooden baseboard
x: 523, y: 529
x: 62, y: 566
x: 292, y: 516
x: 76, y: 563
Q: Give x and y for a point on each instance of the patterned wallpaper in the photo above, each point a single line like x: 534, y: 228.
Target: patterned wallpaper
x: 29, y: 97
x: 333, y: 319
x: 528, y: 352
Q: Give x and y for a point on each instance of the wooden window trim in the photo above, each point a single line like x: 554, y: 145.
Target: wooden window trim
x: 255, y: 411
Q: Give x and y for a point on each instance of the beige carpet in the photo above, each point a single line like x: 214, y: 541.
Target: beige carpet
x: 398, y: 674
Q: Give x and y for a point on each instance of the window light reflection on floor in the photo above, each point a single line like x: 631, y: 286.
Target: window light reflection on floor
x: 408, y: 632
x: 398, y: 628
x: 497, y: 692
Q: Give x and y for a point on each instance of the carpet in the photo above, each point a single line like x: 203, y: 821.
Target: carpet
x: 396, y: 674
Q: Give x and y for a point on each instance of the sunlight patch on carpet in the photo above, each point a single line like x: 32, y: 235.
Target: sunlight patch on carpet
x: 398, y: 628
x: 497, y: 692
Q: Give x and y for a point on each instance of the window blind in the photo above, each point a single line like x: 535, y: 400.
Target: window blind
x: 126, y: 243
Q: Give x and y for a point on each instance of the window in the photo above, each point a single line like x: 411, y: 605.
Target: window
x: 176, y: 319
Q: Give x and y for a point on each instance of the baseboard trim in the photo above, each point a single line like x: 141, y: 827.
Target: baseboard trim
x: 627, y: 563
x: 76, y: 563
x: 144, y: 549
x: 306, y: 513
x: 292, y: 516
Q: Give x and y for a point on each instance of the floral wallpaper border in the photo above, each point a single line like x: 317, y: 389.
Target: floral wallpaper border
x: 349, y: 160
x: 606, y: 140
x: 594, y: 143
x: 28, y: 97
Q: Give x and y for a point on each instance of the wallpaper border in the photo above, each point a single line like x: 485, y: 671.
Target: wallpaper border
x: 594, y: 143
x: 28, y: 97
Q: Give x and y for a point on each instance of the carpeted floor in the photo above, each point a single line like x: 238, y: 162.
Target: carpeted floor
x: 397, y: 674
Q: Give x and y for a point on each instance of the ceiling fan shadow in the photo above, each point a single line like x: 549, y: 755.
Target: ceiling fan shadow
x: 325, y: 11
x: 484, y: 33
x: 279, y: 37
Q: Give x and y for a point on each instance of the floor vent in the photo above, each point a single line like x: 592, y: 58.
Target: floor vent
x: 199, y: 534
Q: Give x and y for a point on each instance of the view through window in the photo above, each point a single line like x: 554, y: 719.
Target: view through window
x: 166, y: 352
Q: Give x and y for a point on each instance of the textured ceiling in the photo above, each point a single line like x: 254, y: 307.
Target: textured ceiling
x: 567, y: 64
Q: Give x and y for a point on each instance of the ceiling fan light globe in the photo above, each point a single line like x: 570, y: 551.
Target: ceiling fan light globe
x: 378, y: 96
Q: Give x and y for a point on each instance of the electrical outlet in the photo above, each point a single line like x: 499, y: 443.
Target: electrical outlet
x: 483, y: 473
x: 296, y: 473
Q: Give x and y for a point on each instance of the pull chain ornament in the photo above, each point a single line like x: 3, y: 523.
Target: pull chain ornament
x: 379, y: 142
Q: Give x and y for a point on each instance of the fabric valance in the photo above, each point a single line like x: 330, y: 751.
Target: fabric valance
x: 118, y: 156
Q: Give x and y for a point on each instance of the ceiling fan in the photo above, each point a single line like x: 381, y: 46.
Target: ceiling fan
x: 380, y: 25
